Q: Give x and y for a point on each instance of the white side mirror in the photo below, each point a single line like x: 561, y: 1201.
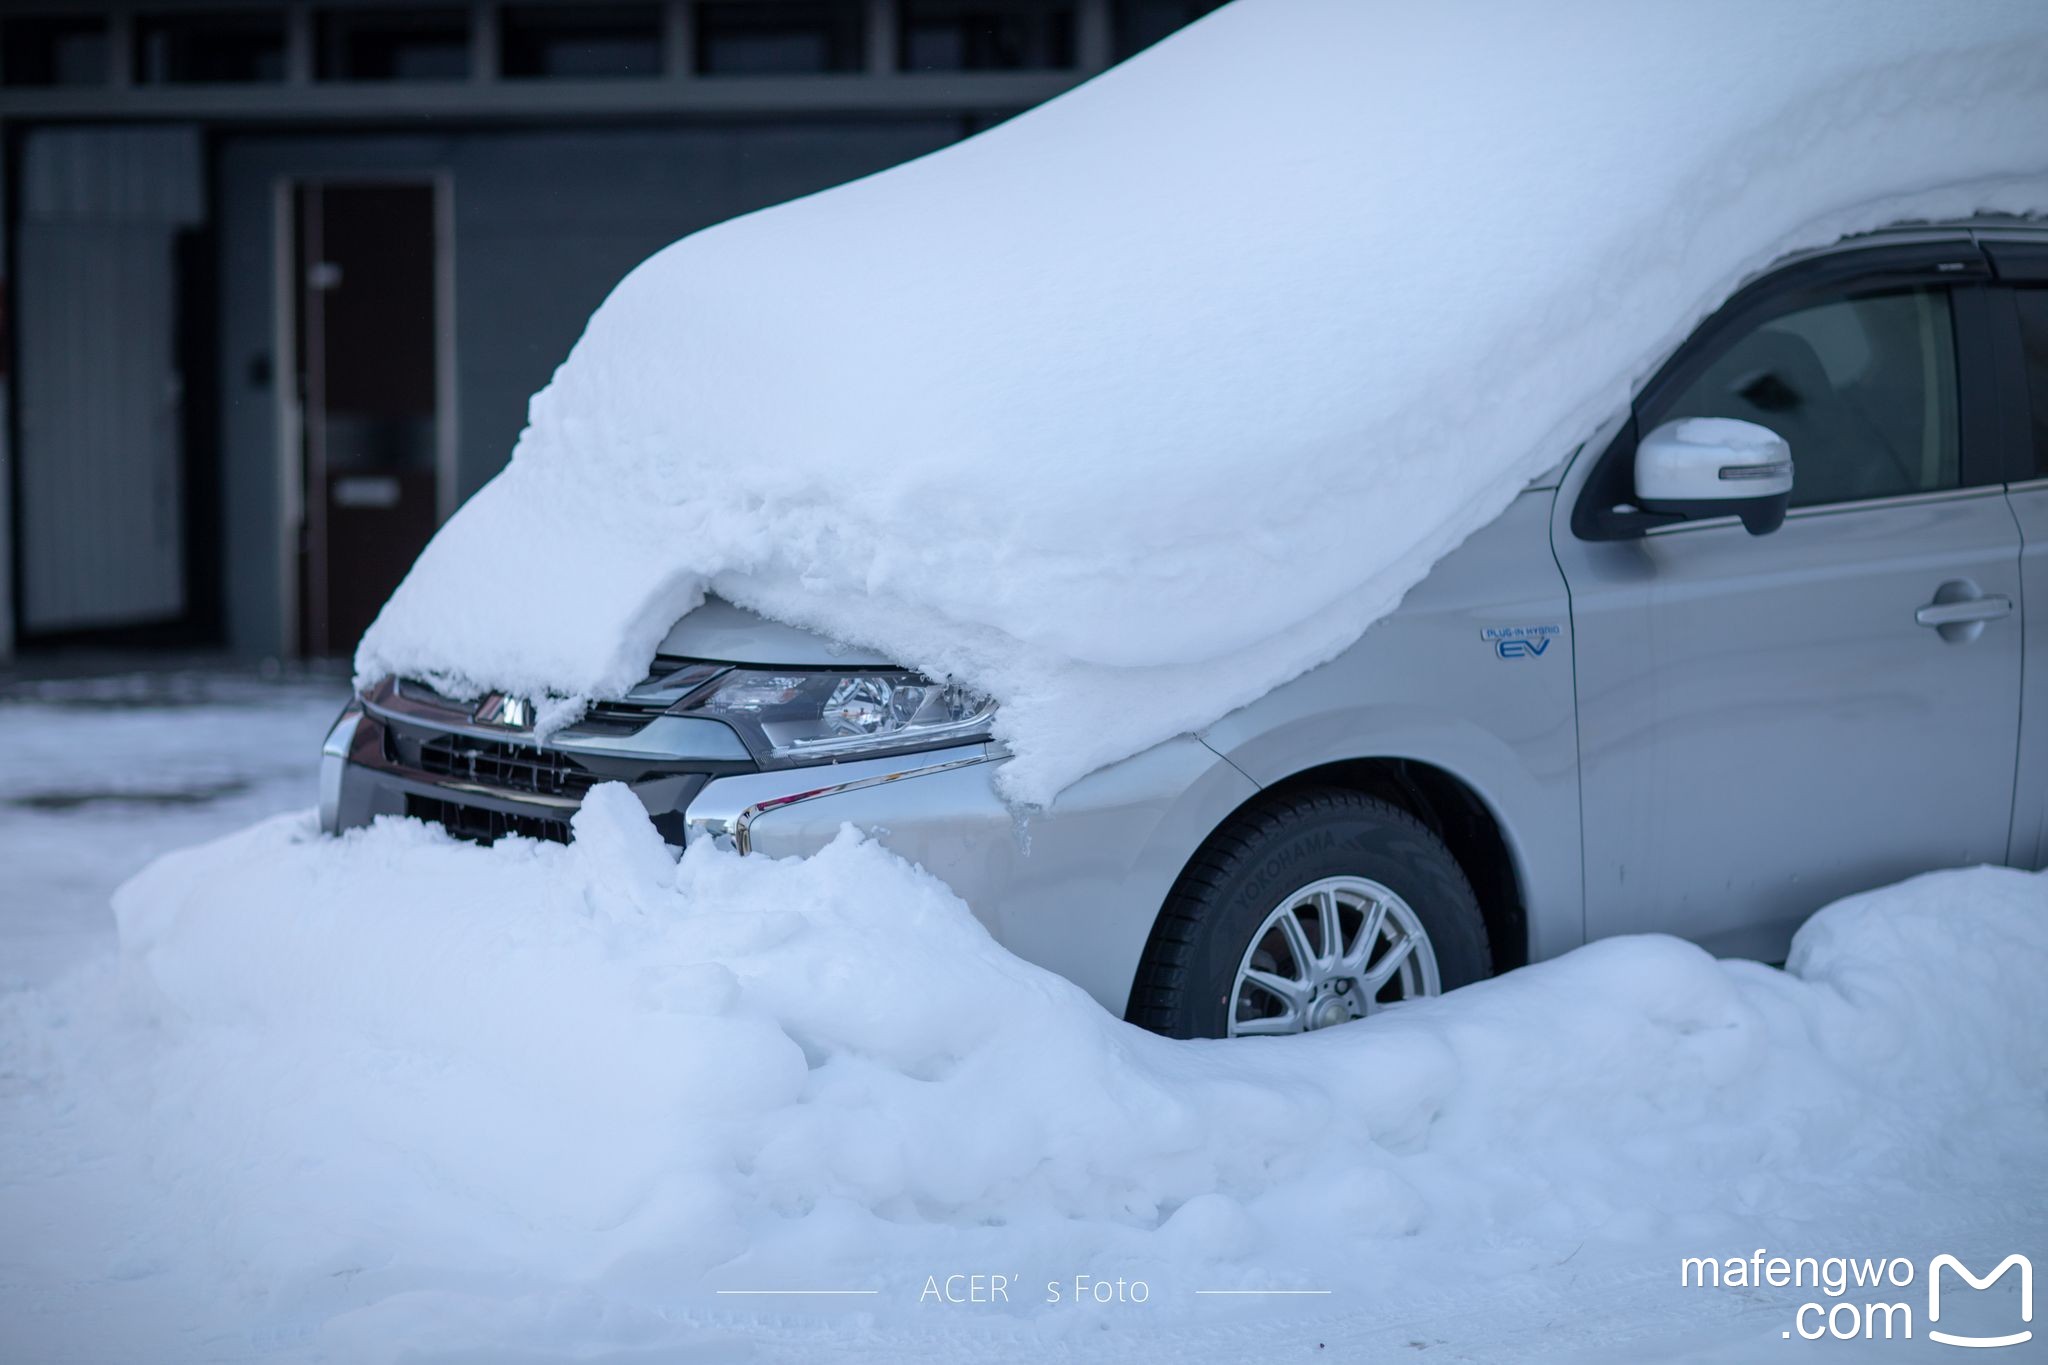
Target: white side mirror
x: 1716, y: 467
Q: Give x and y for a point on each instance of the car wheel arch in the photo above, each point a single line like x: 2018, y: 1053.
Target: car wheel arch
x: 1452, y: 809
x: 1457, y: 813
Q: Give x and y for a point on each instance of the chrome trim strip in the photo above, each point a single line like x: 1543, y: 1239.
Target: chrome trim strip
x: 334, y: 751
x: 388, y: 702
x: 647, y: 742
x: 569, y: 803
x: 741, y: 825
x: 1827, y: 509
x: 669, y: 738
x: 1830, y: 509
x: 675, y: 679
x: 1703, y: 524
x: 2027, y: 486
x: 676, y: 738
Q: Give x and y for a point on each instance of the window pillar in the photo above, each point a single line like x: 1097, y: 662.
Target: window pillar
x: 881, y: 36
x: 679, y: 39
x: 483, y: 41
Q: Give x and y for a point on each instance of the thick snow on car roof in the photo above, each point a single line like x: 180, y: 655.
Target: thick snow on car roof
x: 1146, y: 401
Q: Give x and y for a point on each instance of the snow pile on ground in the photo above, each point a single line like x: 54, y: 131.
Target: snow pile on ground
x: 99, y: 776
x: 393, y: 1089
x: 1145, y: 401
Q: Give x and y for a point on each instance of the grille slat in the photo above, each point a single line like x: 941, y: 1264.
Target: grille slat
x: 481, y: 826
x: 509, y: 767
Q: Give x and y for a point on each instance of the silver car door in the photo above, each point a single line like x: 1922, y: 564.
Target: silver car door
x: 1769, y: 722
x: 2023, y: 317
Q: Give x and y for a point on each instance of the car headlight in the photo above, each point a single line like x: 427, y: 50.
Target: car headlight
x: 790, y: 716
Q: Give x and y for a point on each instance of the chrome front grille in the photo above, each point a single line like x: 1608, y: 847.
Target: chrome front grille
x: 669, y: 682
x: 503, y: 766
x: 456, y: 764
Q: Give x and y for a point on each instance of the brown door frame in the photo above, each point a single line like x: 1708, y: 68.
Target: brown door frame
x: 295, y: 514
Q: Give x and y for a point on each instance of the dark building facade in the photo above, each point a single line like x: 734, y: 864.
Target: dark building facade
x: 280, y: 276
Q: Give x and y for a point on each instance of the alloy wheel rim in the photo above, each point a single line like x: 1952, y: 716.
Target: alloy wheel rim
x: 1333, y: 951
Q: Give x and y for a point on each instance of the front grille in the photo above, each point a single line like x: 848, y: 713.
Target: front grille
x: 627, y: 715
x: 458, y: 772
x: 507, y: 767
x: 481, y: 826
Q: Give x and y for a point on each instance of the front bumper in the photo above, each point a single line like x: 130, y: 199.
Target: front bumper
x: 1073, y: 888
x: 392, y: 754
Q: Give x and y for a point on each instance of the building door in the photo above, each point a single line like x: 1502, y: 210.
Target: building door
x: 368, y: 357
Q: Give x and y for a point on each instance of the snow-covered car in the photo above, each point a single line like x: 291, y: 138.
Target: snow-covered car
x: 1675, y: 687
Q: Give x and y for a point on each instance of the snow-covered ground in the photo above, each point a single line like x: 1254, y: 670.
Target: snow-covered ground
x: 98, y: 776
x: 392, y: 1096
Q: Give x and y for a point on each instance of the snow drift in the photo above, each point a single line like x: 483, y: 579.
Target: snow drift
x: 396, y: 1089
x: 1136, y: 406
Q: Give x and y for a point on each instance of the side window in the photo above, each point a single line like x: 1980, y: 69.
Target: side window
x: 1863, y: 389
x: 2033, y: 305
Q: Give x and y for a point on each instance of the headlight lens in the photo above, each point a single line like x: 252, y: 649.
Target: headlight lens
x: 792, y: 716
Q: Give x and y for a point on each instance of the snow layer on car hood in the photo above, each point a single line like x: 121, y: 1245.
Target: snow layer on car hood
x: 391, y: 1093
x: 1138, y: 405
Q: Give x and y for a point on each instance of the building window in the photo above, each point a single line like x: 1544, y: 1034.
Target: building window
x: 53, y: 50
x: 392, y: 45
x: 780, y: 37
x: 227, y: 46
x: 580, y: 42
x: 986, y: 35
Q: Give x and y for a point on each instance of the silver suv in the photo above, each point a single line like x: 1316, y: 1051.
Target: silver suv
x: 1679, y: 686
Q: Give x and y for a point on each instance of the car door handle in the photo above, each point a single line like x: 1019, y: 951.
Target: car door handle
x: 1962, y: 613
x: 1959, y: 610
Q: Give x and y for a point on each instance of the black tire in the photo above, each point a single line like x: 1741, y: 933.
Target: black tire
x: 1264, y: 854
